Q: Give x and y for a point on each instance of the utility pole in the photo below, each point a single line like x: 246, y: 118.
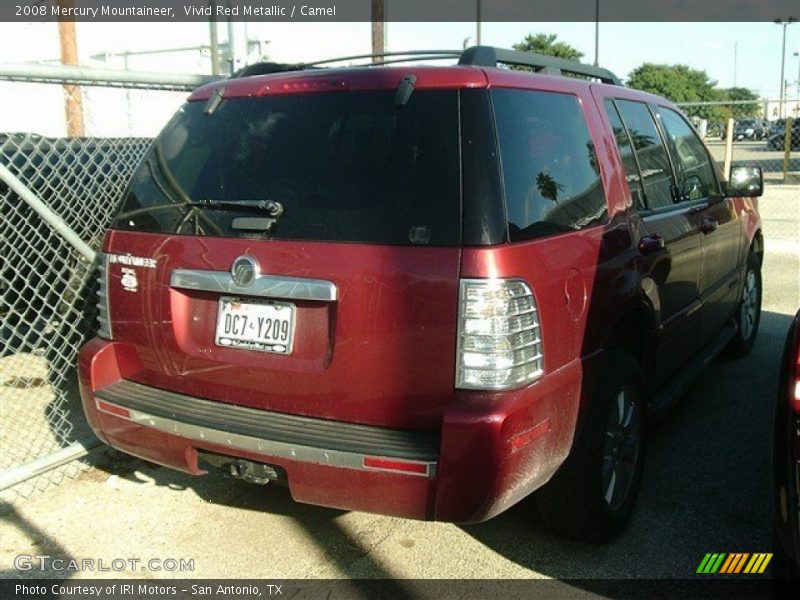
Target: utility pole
x: 73, y: 101
x: 783, y: 22
x: 735, y: 60
x: 596, y: 33
x: 378, y: 46
x: 478, y: 24
x: 213, y: 40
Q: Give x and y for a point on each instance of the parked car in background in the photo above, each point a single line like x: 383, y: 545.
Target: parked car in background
x: 786, y: 474
x: 777, y: 139
x: 716, y: 130
x: 422, y: 291
x: 748, y: 129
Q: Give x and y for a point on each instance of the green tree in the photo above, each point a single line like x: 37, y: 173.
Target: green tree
x: 679, y: 83
x: 742, y: 111
x: 543, y: 43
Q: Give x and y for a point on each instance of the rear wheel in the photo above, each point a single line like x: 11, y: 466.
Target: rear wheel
x: 785, y: 574
x: 592, y: 496
x: 748, y: 314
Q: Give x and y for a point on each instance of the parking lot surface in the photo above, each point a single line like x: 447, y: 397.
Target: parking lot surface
x: 706, y: 488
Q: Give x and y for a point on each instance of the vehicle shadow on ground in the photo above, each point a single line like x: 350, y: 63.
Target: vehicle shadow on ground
x: 707, y: 485
x: 39, y: 539
x: 706, y: 488
x: 346, y: 554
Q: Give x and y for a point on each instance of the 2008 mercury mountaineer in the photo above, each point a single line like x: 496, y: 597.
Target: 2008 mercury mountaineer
x: 422, y: 291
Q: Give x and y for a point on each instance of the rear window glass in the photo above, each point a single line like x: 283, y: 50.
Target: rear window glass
x: 343, y: 166
x: 552, y: 180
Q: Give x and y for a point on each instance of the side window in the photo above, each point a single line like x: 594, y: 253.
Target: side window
x: 650, y: 153
x: 550, y: 171
x: 696, y: 174
x: 626, y: 154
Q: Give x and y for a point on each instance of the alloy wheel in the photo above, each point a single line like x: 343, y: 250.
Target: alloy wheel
x: 621, y: 448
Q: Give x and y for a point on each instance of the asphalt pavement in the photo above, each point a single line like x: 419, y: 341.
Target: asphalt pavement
x: 706, y: 488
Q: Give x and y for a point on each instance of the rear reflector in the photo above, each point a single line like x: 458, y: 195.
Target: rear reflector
x: 392, y: 464
x: 526, y: 437
x: 113, y: 409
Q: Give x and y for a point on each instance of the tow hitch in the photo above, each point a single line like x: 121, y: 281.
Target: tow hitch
x: 246, y: 470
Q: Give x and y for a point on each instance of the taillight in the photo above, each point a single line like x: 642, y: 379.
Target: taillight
x: 794, y: 381
x: 499, y: 338
x: 103, y: 313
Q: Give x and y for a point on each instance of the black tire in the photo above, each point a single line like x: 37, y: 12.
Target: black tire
x: 576, y: 503
x: 785, y: 574
x: 747, y: 321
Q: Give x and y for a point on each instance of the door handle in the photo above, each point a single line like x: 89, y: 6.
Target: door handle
x: 650, y: 244
x: 708, y: 225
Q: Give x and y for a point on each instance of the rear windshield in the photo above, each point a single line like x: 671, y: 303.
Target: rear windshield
x: 341, y: 166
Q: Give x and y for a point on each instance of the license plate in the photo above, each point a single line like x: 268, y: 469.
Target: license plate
x: 253, y: 325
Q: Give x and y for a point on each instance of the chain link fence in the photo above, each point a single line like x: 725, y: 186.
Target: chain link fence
x: 69, y: 141
x: 756, y: 141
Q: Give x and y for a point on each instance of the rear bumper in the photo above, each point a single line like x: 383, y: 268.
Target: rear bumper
x: 493, y: 449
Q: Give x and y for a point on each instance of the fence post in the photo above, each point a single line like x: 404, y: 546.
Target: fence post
x: 787, y: 146
x: 728, y: 149
x: 47, y: 215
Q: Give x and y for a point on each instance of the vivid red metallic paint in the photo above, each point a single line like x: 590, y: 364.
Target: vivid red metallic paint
x: 383, y: 354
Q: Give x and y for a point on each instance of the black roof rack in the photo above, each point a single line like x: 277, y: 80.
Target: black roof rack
x: 477, y: 56
x: 410, y: 55
x: 265, y: 68
x: 487, y: 56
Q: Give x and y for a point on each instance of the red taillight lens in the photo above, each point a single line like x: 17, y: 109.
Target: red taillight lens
x: 794, y: 385
x: 391, y: 464
x: 113, y: 409
x: 794, y: 369
x: 311, y: 85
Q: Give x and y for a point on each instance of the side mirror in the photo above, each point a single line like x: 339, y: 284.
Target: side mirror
x: 745, y: 181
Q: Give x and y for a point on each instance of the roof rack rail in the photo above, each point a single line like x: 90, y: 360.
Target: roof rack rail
x: 267, y: 68
x: 476, y: 56
x: 411, y: 55
x: 488, y: 56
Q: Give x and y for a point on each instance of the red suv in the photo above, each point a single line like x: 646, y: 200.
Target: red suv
x: 421, y: 291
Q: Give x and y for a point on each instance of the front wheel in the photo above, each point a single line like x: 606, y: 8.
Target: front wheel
x: 592, y: 496
x: 748, y: 313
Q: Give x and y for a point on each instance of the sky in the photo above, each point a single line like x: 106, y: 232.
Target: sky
x: 623, y: 46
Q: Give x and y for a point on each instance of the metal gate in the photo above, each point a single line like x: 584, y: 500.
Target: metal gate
x: 59, y: 188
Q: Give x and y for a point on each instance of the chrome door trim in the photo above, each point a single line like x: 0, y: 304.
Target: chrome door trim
x: 264, y: 286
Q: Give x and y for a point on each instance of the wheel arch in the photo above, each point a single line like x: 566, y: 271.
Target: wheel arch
x: 757, y: 246
x: 634, y: 332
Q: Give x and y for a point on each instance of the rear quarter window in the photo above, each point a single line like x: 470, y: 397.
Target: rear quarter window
x: 550, y: 170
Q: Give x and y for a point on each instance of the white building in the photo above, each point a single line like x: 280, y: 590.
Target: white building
x: 791, y: 108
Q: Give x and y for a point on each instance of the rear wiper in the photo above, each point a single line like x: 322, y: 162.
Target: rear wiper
x: 271, y: 207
